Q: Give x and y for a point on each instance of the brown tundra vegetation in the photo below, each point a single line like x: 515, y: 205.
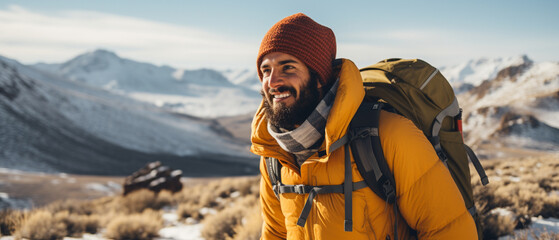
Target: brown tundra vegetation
x: 520, y: 189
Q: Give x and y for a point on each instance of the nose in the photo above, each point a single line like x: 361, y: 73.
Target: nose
x: 275, y: 79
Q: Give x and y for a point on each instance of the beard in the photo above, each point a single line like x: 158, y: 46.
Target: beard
x: 288, y: 117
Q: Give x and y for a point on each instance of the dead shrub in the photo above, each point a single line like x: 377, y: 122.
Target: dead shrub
x: 164, y: 198
x: 550, y: 207
x: 210, y: 193
x: 91, y: 224
x: 251, y: 227
x: 527, y: 235
x: 187, y: 210
x: 108, y: 217
x: 244, y: 186
x: 75, y: 224
x: 525, y: 186
x: 495, y: 225
x: 72, y: 206
x: 230, y: 221
x: 222, y: 225
x: 137, y: 201
x: 42, y: 225
x: 10, y: 221
x: 189, y: 195
x: 135, y: 226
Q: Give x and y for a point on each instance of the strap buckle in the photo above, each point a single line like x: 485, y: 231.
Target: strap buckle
x: 389, y: 191
x: 276, y: 189
x: 442, y: 155
x: 365, y: 132
x: 299, y: 189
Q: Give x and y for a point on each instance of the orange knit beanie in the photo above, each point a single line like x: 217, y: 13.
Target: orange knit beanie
x: 302, y: 37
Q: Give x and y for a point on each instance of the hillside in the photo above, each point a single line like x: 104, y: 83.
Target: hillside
x: 516, y: 109
x: 521, y: 202
x: 50, y: 124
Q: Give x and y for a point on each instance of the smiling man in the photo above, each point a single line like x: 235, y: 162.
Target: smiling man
x: 309, y: 99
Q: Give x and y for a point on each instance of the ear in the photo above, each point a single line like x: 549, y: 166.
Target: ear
x: 318, y: 84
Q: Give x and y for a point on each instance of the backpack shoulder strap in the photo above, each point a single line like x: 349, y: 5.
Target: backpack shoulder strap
x: 367, y: 151
x: 475, y: 161
x: 273, y: 167
x: 369, y: 157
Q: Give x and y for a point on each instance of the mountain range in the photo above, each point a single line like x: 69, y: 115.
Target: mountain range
x: 51, y: 124
x: 202, y: 92
x: 99, y: 113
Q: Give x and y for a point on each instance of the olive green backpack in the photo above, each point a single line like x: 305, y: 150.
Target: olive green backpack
x: 419, y: 92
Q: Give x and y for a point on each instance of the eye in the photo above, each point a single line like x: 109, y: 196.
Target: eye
x: 265, y: 71
x: 288, y: 67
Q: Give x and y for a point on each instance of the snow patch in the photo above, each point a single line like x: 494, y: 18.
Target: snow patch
x: 109, y: 187
x: 503, y: 212
x: 178, y: 74
x: 476, y: 71
x: 182, y: 232
x: 538, y: 225
x: 207, y: 211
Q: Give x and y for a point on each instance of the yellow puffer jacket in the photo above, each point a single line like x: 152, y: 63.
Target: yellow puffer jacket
x: 428, y: 199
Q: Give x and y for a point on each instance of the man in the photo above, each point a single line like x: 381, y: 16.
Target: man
x: 309, y: 99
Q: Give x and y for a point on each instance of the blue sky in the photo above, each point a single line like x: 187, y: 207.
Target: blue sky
x: 226, y: 34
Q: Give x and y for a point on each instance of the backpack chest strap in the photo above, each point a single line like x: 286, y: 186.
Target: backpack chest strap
x: 347, y: 188
x: 304, y: 189
x: 313, y: 191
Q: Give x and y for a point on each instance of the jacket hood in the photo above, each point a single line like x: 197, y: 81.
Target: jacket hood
x: 349, y: 95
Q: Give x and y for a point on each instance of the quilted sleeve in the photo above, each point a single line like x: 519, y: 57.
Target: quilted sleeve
x: 428, y: 198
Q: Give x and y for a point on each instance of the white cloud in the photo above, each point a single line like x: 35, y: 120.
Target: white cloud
x: 30, y: 37
x: 440, y: 47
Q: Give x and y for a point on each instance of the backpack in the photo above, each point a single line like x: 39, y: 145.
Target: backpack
x: 419, y: 92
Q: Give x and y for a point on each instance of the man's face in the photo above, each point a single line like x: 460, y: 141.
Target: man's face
x: 289, y: 92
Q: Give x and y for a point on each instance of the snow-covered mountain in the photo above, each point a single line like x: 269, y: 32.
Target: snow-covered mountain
x: 202, y: 93
x: 465, y: 76
x: 48, y: 123
x: 516, y: 108
x: 244, y: 77
x: 510, y: 103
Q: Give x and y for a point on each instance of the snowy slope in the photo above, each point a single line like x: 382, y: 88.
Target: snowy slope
x: 203, y: 92
x: 48, y: 123
x: 244, y: 77
x: 472, y: 73
x: 517, y: 108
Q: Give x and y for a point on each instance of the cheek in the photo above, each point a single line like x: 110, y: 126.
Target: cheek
x: 264, y: 86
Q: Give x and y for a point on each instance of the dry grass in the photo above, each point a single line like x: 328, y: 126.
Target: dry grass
x: 135, y: 226
x: 536, y: 236
x: 139, y: 200
x: 73, y: 206
x: 206, y: 195
x: 137, y: 215
x: 227, y: 223
x: 251, y: 227
x: 42, y: 225
x: 10, y: 221
x: 521, y: 187
x: 188, y: 210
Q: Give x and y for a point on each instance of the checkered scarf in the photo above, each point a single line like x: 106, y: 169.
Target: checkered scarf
x: 305, y: 140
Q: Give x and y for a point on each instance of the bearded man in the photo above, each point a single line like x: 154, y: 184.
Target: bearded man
x: 309, y: 99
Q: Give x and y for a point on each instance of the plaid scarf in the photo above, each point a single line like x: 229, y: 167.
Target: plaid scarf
x: 305, y: 140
